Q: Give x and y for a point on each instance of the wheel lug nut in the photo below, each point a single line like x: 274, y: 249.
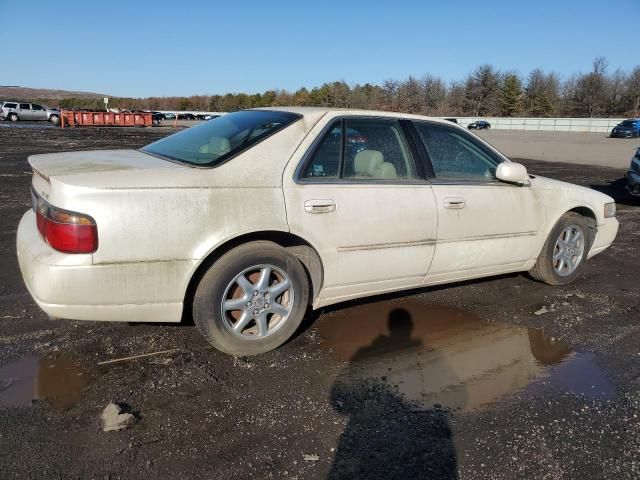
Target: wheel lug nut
x: 266, y: 305
x: 255, y: 293
x: 248, y: 304
x: 256, y: 312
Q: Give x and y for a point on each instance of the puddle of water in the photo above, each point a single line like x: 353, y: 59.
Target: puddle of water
x: 446, y: 356
x: 57, y: 381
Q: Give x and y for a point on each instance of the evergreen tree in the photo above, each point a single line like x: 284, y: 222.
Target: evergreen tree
x: 511, y: 96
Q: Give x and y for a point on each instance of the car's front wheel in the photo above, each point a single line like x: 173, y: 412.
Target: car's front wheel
x: 13, y: 117
x: 565, y: 251
x: 252, y: 299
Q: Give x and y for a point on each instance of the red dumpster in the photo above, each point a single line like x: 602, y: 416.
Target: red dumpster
x: 71, y: 118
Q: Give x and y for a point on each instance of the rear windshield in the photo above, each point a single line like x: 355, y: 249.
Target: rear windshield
x: 217, y: 140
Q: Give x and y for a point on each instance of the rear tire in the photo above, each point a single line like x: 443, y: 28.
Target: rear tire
x: 569, y: 242
x: 241, y: 305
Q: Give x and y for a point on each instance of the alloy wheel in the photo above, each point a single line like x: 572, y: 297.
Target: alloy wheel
x: 257, y: 302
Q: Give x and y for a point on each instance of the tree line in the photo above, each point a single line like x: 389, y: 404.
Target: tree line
x: 486, y: 91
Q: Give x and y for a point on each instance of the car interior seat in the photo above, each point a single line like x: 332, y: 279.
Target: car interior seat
x: 216, y: 146
x: 370, y: 163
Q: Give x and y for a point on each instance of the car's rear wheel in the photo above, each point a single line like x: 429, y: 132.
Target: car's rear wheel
x: 565, y: 251
x: 13, y: 117
x: 252, y: 299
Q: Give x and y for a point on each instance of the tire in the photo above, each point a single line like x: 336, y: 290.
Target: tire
x: 13, y: 117
x: 546, y: 268
x: 55, y: 119
x: 220, y: 288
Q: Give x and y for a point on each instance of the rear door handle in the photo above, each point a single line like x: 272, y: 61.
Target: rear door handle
x: 455, y: 202
x: 320, y: 206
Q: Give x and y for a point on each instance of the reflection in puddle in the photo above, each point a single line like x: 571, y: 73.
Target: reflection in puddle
x: 442, y: 355
x: 58, y: 381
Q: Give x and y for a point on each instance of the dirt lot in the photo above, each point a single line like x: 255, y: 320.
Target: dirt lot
x: 500, y: 378
x: 581, y: 148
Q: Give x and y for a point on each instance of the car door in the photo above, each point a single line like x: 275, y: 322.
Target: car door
x: 38, y: 112
x: 24, y: 111
x: 361, y: 199
x: 484, y: 226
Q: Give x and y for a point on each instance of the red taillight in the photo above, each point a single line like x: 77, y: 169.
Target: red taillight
x: 67, y: 232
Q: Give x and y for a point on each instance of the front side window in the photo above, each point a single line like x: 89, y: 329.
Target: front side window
x: 25, y: 106
x: 361, y: 149
x: 217, y: 140
x: 456, y: 156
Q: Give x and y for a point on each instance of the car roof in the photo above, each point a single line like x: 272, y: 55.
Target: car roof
x: 320, y: 111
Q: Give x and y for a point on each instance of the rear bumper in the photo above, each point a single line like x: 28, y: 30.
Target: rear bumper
x: 633, y: 183
x: 72, y: 287
x: 607, y: 232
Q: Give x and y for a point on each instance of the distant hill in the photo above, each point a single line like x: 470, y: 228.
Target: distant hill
x: 25, y: 93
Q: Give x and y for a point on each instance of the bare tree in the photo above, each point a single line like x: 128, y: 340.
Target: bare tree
x: 633, y: 90
x: 482, y: 89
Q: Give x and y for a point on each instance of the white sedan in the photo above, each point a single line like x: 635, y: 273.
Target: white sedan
x: 251, y: 218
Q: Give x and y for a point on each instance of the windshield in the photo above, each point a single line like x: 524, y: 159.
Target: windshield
x: 219, y: 139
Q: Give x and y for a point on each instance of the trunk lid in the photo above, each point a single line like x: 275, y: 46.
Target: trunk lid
x: 75, y: 163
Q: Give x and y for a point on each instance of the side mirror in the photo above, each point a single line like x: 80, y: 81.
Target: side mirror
x: 511, y: 172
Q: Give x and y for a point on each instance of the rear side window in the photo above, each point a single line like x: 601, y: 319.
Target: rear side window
x: 325, y: 161
x: 362, y: 150
x: 212, y: 143
x: 25, y: 106
x: 10, y: 105
x: 36, y: 107
x: 456, y: 155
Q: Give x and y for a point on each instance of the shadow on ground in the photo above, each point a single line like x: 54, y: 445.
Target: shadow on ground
x: 386, y: 436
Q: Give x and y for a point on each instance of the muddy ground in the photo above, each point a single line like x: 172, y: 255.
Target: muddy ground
x: 500, y: 378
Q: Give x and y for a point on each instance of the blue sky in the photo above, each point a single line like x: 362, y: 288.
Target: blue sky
x: 148, y: 48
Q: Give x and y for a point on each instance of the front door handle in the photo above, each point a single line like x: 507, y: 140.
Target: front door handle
x: 320, y: 206
x: 454, y: 202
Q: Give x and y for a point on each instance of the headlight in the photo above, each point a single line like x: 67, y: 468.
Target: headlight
x: 610, y: 210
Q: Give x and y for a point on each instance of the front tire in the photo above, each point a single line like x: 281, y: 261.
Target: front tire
x: 55, y: 119
x: 565, y: 251
x: 252, y: 299
x: 13, y: 117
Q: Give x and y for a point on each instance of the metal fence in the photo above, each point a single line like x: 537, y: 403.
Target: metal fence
x: 585, y: 125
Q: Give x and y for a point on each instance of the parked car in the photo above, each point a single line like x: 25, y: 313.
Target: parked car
x: 452, y: 120
x: 15, y: 111
x: 633, y: 175
x: 157, y: 118
x: 186, y: 116
x: 479, y: 125
x: 253, y: 217
x: 627, y: 129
